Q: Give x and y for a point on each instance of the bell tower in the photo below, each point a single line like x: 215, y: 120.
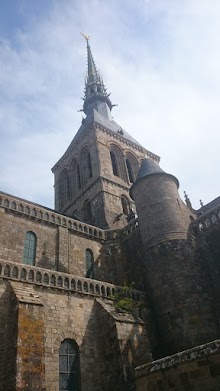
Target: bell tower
x: 93, y: 177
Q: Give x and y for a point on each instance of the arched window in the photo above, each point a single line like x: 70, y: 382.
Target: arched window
x: 132, y: 166
x: 125, y: 205
x: 69, y: 366
x: 78, y: 177
x: 118, y: 162
x: 89, y: 165
x: 130, y: 170
x: 89, y: 263
x: 64, y: 188
x: 75, y: 177
x: 85, y: 166
x: 87, y: 211
x: 30, y: 248
x: 114, y: 163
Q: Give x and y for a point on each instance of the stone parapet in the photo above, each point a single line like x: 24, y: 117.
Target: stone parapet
x: 58, y: 280
x: 197, y: 368
x: 48, y: 216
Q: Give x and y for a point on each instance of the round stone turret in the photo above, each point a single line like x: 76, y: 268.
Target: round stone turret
x: 177, y: 284
x: 165, y: 215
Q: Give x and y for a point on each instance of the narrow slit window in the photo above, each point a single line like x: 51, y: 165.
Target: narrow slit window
x: 89, y: 165
x: 78, y: 177
x: 89, y: 264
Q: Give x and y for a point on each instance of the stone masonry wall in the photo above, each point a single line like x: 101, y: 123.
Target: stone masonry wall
x: 126, y: 346
x: 30, y: 348
x: 8, y: 337
x: 12, y: 235
x: 46, y: 316
x: 103, y: 189
x: 181, y: 297
x: 58, y: 248
x: 113, y: 186
x: 197, y: 369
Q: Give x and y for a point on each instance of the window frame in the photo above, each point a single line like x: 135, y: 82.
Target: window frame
x: 30, y: 245
x: 89, y: 264
x: 66, y: 347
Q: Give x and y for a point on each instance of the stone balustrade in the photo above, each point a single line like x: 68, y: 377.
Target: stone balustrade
x: 59, y: 280
x: 207, y: 220
x: 49, y: 216
x: 122, y: 232
x: 130, y: 228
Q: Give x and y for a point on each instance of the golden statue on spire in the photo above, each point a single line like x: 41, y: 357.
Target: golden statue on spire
x: 85, y: 36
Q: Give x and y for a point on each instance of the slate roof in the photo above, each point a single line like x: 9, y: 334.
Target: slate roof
x: 148, y: 167
x: 208, y: 207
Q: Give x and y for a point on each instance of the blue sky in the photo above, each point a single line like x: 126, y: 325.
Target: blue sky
x: 159, y: 59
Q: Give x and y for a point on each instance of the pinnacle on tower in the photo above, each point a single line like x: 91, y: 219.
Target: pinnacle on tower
x: 187, y: 200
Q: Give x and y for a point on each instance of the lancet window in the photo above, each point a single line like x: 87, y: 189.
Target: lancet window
x: 125, y: 205
x: 64, y: 188
x: 89, y: 263
x: 85, y: 166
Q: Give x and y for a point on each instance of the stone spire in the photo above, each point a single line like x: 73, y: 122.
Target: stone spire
x: 96, y: 96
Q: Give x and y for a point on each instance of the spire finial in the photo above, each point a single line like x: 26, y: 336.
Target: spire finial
x: 95, y: 91
x: 85, y: 36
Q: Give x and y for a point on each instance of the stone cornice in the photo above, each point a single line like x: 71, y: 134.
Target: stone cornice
x: 126, y: 141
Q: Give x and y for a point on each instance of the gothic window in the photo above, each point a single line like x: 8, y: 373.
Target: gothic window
x: 125, y: 205
x: 89, y: 165
x: 130, y: 170
x: 89, y: 264
x: 75, y: 177
x: 114, y: 163
x: 132, y: 166
x: 118, y: 162
x: 69, y: 366
x: 85, y: 166
x: 78, y: 177
x: 30, y: 248
x: 64, y: 188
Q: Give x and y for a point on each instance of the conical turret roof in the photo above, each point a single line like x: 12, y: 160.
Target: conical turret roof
x: 148, y: 167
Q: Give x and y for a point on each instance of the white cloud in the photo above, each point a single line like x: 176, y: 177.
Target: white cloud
x: 159, y: 59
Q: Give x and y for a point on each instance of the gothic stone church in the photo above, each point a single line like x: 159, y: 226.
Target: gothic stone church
x: 118, y: 219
